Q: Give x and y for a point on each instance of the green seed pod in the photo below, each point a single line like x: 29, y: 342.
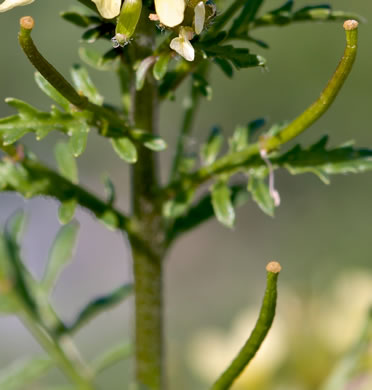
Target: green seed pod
x: 127, y: 22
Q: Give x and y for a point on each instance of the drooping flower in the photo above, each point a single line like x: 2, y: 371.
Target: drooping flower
x: 182, y: 44
x: 7, y: 5
x: 108, y: 8
x: 170, y: 12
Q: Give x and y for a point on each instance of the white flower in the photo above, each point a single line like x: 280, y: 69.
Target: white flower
x: 9, y: 4
x: 182, y: 44
x: 108, y: 8
x: 199, y: 18
x: 170, y: 12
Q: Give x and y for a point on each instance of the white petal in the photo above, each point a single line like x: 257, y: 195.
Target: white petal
x: 183, y: 48
x: 199, y: 18
x: 108, y: 8
x: 9, y: 4
x: 170, y: 12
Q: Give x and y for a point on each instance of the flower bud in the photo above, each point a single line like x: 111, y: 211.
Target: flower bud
x: 127, y: 23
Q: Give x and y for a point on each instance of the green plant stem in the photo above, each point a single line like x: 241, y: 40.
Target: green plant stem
x: 231, y: 161
x: 262, y: 327
x: 327, y: 97
x: 191, y: 109
x: 148, y: 267
x: 77, y: 372
x: 149, y: 338
x: 51, y: 74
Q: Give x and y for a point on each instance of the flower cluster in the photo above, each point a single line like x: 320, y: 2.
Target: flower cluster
x: 185, y: 17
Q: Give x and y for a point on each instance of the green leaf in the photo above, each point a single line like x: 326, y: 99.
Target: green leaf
x: 16, y: 271
x: 60, y: 254
x: 9, y: 137
x: 239, y: 139
x: 222, y: 204
x: 101, y: 304
x: 112, y: 356
x: 84, y: 84
x: 16, y: 225
x: 284, y: 15
x: 110, y: 220
x: 125, y: 149
x: 202, y: 211
x: 9, y: 304
x: 161, y: 66
x: 179, y: 204
x: 30, y: 119
x: 79, y: 19
x: 66, y: 162
x: 247, y: 15
x: 210, y: 150
x: 15, y: 177
x: 150, y: 141
x: 225, y: 66
x: 22, y: 373
x: 323, y: 162
x: 110, y: 190
x: 94, y: 33
x: 96, y: 60
x: 25, y: 110
x: 79, y: 138
x: 242, y: 134
x: 66, y: 211
x: 261, y: 195
x: 142, y: 70
x: 50, y: 91
x: 239, y: 57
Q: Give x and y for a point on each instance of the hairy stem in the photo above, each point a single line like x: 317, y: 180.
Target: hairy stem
x: 148, y: 265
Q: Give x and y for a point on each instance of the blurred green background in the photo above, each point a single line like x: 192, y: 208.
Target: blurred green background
x: 319, y: 232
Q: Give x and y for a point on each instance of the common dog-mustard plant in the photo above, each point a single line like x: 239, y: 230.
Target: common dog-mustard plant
x: 153, y: 47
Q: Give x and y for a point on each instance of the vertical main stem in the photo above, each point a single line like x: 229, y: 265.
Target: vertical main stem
x: 148, y: 265
x: 149, y: 321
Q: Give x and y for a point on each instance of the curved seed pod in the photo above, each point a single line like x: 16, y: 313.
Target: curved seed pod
x: 127, y: 22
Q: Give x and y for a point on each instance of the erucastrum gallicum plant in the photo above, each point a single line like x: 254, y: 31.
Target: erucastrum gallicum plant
x: 153, y: 47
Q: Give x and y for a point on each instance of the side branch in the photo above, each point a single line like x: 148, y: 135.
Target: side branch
x: 46, y: 182
x: 321, y: 105
x: 261, y: 329
x: 50, y: 73
x: 235, y: 160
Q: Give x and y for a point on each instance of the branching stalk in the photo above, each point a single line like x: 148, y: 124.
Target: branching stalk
x: 50, y: 73
x: 235, y: 160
